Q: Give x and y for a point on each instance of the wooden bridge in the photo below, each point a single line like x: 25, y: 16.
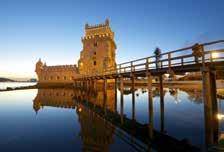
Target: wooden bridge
x: 206, y: 58
x: 189, y: 59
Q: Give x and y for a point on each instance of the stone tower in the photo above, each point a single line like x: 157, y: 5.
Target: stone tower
x: 39, y: 68
x: 98, y: 51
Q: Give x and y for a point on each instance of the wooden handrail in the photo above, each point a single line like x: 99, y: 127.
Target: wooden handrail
x: 181, y: 59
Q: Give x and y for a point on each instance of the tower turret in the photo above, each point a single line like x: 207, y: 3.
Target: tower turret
x: 39, y: 68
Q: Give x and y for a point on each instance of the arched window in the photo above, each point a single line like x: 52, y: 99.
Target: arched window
x: 58, y: 77
x: 64, y: 77
x: 94, y: 63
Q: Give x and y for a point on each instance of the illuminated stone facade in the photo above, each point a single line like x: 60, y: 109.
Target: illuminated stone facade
x: 98, y: 49
x: 97, y: 55
x: 55, y: 74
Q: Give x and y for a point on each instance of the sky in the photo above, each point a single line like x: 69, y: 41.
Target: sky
x: 52, y: 29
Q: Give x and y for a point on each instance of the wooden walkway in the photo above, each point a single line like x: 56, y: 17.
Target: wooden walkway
x: 177, y: 61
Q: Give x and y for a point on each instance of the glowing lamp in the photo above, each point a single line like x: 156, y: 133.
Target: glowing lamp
x: 215, y: 55
x: 220, y: 116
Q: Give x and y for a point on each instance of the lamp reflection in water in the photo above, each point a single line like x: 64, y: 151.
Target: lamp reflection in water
x: 220, y: 145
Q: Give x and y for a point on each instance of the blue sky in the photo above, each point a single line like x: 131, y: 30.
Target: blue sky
x: 52, y: 29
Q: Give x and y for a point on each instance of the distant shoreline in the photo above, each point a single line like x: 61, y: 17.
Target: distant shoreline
x: 2, y: 79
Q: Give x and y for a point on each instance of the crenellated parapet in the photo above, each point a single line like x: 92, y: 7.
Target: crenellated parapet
x: 56, y: 74
x: 107, y: 23
x: 61, y: 68
x: 98, y: 31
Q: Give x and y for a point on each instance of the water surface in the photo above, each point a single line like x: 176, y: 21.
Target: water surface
x: 57, y: 119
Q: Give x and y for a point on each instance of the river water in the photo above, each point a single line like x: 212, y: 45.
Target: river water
x: 72, y: 120
x: 4, y: 85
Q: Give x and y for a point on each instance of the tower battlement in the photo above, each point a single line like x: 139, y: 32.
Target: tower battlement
x: 87, y: 26
x: 98, y: 30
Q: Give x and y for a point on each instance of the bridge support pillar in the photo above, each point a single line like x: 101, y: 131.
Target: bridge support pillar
x: 115, y: 90
x: 80, y: 84
x: 122, y: 100
x: 150, y: 104
x: 87, y: 84
x: 83, y: 84
x: 105, y: 88
x: 105, y: 96
x: 93, y: 84
x: 133, y: 96
x: 210, y: 105
x: 161, y: 103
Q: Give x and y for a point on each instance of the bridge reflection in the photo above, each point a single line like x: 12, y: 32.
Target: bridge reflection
x: 100, y: 120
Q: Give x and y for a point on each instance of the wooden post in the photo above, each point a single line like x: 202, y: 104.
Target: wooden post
x: 94, y: 84
x: 75, y: 85
x: 169, y: 60
x: 211, y: 60
x: 122, y: 100
x: 87, y: 84
x: 115, y: 89
x: 133, y: 90
x: 196, y: 59
x: 210, y: 105
x: 119, y: 68
x: 161, y: 103
x: 105, y: 88
x: 182, y: 61
x: 150, y: 104
x: 82, y: 84
x: 133, y: 98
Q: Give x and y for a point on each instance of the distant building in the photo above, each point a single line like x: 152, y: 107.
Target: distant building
x: 97, y: 55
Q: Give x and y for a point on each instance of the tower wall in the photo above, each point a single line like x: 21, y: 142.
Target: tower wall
x: 98, y: 52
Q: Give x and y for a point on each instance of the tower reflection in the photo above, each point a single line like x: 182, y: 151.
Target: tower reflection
x: 99, y: 120
x: 96, y: 133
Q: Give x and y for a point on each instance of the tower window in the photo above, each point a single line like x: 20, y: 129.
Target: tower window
x: 95, y: 44
x: 94, y: 62
x: 94, y: 52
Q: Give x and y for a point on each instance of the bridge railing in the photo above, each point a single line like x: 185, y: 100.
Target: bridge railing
x: 179, y: 57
